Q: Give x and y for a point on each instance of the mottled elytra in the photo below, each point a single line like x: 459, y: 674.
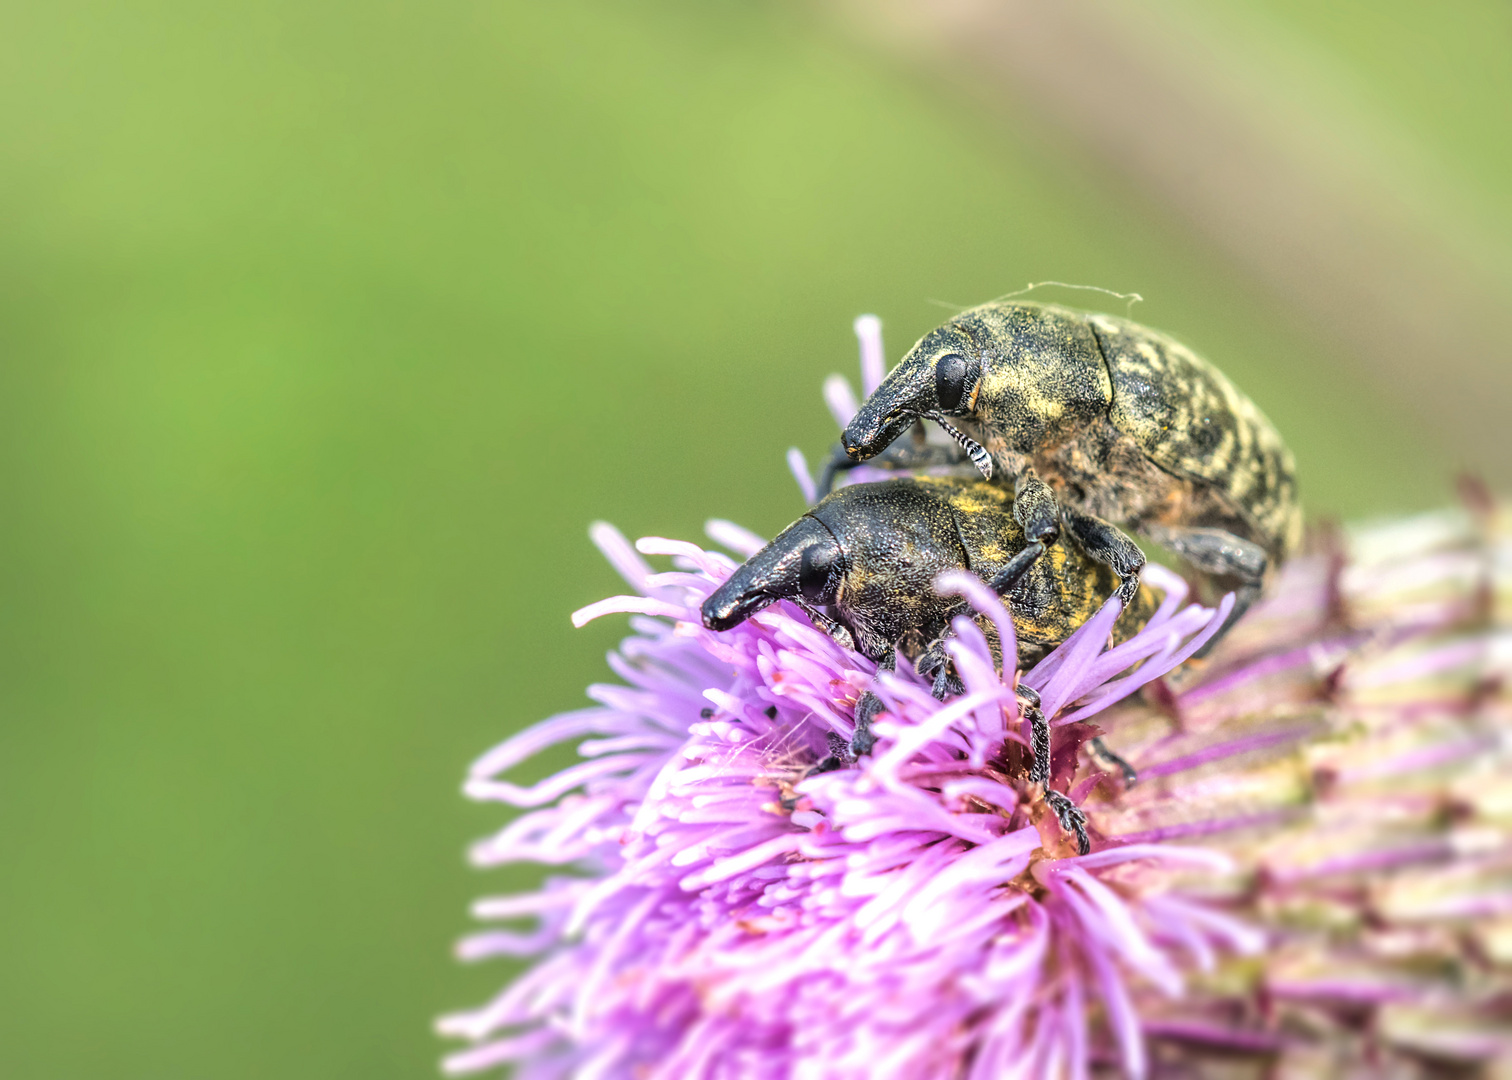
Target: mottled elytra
x: 1096, y: 422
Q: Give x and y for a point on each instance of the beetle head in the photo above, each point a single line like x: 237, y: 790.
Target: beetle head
x: 804, y: 563
x: 938, y: 378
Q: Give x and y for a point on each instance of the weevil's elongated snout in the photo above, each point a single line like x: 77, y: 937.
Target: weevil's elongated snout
x: 799, y: 562
x: 905, y: 395
x: 872, y: 430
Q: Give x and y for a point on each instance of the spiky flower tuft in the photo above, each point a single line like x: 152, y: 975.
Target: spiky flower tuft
x: 1350, y: 749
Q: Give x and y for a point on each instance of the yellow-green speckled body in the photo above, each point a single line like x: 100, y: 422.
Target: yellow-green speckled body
x: 898, y: 535
x: 1190, y: 420
x: 1122, y: 421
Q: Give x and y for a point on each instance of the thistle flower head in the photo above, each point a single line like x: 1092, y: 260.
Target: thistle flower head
x: 916, y: 915
x: 1312, y: 869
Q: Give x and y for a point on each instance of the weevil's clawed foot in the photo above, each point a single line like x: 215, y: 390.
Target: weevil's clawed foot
x: 947, y: 684
x: 838, y: 757
x: 934, y: 665
x: 843, y: 752
x: 1071, y: 819
x: 1108, y: 545
x: 1035, y: 508
x: 863, y: 740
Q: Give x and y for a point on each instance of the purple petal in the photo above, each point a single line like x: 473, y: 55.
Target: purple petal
x: 738, y: 539
x: 873, y: 365
x: 798, y: 465
x: 840, y: 398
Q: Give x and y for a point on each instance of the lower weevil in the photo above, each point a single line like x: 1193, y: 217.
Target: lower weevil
x: 870, y: 553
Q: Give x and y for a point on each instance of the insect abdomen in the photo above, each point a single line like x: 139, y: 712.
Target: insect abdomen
x: 1190, y: 420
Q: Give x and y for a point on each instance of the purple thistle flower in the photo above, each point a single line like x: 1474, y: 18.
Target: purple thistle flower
x: 1342, y: 758
x: 907, y: 917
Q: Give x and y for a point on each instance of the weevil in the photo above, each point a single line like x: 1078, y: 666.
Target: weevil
x: 1096, y: 422
x: 862, y: 564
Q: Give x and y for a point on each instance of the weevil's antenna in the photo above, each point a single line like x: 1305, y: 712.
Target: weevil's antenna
x: 979, y: 457
x: 1130, y: 298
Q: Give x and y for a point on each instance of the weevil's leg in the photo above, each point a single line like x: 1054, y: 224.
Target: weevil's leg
x: 1038, y: 514
x: 838, y: 463
x: 947, y: 684
x: 863, y: 740
x: 835, y: 759
x: 842, y: 753
x: 1071, y: 819
x: 1039, y: 737
x: 877, y: 649
x: 1108, y: 761
x: 1222, y: 554
x: 935, y: 665
x: 1109, y: 545
x: 1017, y: 567
x: 837, y: 632
x: 1035, y: 510
x: 1066, y: 812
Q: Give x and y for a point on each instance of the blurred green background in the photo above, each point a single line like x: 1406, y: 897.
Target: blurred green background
x: 325, y: 330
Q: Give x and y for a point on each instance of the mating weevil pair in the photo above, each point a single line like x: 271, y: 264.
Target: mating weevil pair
x: 1093, y: 422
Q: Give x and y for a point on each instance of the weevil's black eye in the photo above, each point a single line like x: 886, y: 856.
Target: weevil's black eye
x: 814, y: 573
x: 953, y: 375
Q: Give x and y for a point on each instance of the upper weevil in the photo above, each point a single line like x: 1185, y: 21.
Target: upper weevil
x: 1099, y: 421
